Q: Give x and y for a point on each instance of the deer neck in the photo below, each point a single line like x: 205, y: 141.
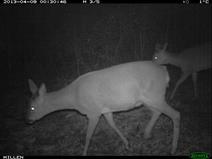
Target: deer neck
x: 174, y: 60
x: 58, y: 100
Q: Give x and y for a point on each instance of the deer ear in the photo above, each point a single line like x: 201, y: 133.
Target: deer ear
x: 42, y: 89
x: 32, y: 86
x: 158, y: 47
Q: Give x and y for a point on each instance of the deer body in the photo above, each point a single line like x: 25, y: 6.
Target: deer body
x: 191, y: 61
x: 116, y: 88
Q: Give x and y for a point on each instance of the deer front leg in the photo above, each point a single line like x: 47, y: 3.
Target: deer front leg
x: 91, y: 127
x: 182, y: 78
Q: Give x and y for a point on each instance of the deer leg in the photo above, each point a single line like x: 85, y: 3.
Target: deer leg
x: 175, y: 116
x: 109, y: 117
x: 148, y: 129
x: 182, y: 78
x: 91, y: 127
x: 194, y: 77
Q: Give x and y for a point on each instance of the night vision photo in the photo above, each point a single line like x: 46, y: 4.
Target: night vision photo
x: 106, y: 80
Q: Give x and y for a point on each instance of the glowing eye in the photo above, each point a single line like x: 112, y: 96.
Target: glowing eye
x: 32, y: 108
x: 155, y: 57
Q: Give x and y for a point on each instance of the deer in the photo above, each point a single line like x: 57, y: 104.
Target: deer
x: 117, y: 88
x: 190, y: 61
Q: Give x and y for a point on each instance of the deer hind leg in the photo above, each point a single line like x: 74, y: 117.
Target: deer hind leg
x: 175, y: 116
x: 92, y: 122
x: 194, y: 77
x: 148, y: 129
x: 182, y: 78
x: 109, y: 117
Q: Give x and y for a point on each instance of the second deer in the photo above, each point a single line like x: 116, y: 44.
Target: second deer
x: 191, y: 61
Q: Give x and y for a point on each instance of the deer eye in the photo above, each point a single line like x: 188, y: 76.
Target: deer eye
x: 155, y: 57
x: 32, y: 108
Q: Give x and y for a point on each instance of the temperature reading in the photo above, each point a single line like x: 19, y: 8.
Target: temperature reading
x: 186, y: 1
x: 94, y: 1
x: 204, y: 1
